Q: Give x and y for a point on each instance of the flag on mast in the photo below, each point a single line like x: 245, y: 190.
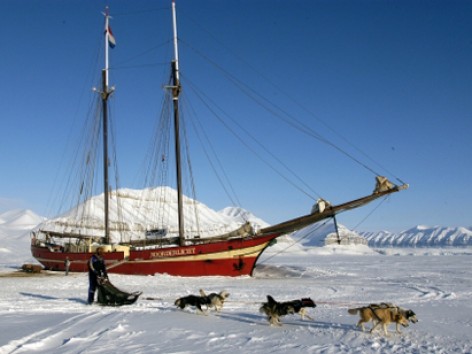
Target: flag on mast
x: 111, y: 38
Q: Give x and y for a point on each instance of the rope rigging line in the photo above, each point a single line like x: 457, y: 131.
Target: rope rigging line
x: 83, y: 149
x: 290, y: 119
x: 223, y: 180
x: 90, y: 158
x: 121, y: 64
x: 155, y: 165
x: 256, y: 141
x: 59, y: 199
x: 370, y: 213
x: 135, y: 12
x: 293, y: 243
x: 259, y: 303
x: 189, y: 166
x: 118, y: 200
x: 287, y: 117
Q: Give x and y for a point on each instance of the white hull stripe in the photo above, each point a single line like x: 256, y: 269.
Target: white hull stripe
x: 243, y: 252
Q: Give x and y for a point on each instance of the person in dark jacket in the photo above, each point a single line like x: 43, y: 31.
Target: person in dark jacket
x: 97, y: 273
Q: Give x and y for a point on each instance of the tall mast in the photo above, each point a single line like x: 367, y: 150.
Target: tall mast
x: 175, y: 96
x: 105, y: 94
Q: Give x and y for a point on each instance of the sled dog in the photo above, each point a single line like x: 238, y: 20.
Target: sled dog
x: 380, y: 316
x: 216, y: 300
x: 274, y: 310
x: 409, y: 314
x: 193, y: 300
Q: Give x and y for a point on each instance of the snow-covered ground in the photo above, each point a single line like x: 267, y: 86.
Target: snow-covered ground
x: 47, y: 313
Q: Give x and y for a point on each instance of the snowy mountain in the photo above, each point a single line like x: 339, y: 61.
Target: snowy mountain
x: 19, y: 220
x: 422, y: 236
x: 15, y: 226
x: 135, y: 211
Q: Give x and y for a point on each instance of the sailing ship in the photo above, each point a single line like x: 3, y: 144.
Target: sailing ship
x: 158, y: 249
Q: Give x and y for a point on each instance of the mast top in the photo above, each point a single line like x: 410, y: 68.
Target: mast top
x: 176, y: 49
x: 109, y: 39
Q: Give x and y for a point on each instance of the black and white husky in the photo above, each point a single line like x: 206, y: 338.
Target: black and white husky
x: 216, y: 300
x: 212, y: 300
x: 274, y: 310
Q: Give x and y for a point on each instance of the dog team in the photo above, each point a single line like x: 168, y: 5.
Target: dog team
x: 381, y: 315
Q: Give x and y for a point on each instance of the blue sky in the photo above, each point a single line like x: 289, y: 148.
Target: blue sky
x: 394, y: 78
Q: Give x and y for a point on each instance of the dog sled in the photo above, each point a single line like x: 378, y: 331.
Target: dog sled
x: 110, y: 295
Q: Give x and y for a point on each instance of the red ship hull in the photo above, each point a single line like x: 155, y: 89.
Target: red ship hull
x: 234, y: 257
